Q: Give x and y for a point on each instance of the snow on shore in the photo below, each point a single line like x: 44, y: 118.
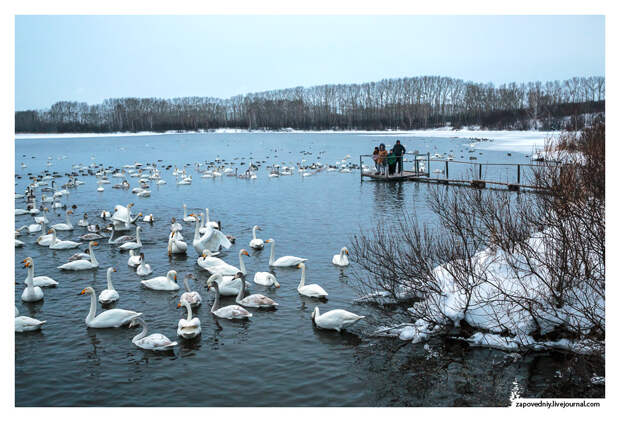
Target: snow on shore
x: 500, y: 140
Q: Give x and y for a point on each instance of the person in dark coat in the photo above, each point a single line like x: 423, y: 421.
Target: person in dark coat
x: 399, y: 151
x: 391, y: 161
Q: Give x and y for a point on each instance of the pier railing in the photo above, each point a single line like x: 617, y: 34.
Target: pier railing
x: 424, y: 168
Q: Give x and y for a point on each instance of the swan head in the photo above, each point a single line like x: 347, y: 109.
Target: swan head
x: 301, y: 265
x: 69, y: 212
x: 136, y: 321
x: 213, y: 280
x: 171, y: 274
x: 238, y: 275
x: 345, y: 250
x: 275, y: 281
x: 93, y: 243
x: 183, y: 302
x: 111, y: 270
x: 88, y: 290
x: 27, y: 262
x: 244, y: 252
x: 270, y: 241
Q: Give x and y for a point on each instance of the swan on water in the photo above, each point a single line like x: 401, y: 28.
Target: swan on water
x: 84, y: 221
x: 134, y: 259
x: 310, y: 290
x: 144, y: 268
x: 190, y: 327
x: 212, y: 240
x: 64, y: 226
x: 341, y: 259
x: 121, y: 239
x: 165, y: 283
x: 31, y: 293
x: 56, y: 243
x: 266, y: 279
x: 154, y: 341
x: 336, y: 319
x: 133, y: 245
x: 83, y: 264
x: 256, y: 243
x: 191, y: 297
x: 40, y: 281
x: 176, y: 245
x: 284, y: 261
x: 112, y: 318
x: 227, y: 312
x: 254, y: 300
x: 188, y: 218
x: 24, y: 323
x: 226, y: 269
x: 109, y: 295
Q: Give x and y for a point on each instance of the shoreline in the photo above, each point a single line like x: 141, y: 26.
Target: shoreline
x: 500, y: 140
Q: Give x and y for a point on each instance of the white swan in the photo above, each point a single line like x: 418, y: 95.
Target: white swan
x: 109, y: 295
x: 227, y: 269
x: 165, y: 283
x: 336, y: 319
x: 31, y: 293
x: 341, y: 259
x: 188, y: 218
x: 84, y: 221
x: 209, y: 223
x: 149, y: 218
x: 144, y: 268
x: 56, y: 243
x: 212, y: 240
x: 175, y: 226
x: 121, y: 239
x: 64, y: 226
x: 40, y: 281
x: 208, y: 259
x: 134, y: 259
x: 191, y: 297
x: 133, y: 245
x: 155, y: 341
x: 190, y: 327
x: 227, y: 312
x: 24, y: 323
x: 255, y: 300
x: 112, y: 318
x: 82, y: 264
x: 256, y: 243
x: 266, y: 279
x: 284, y: 261
x: 175, y: 245
x: 311, y: 290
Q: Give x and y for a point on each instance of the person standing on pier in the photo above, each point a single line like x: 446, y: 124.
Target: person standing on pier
x: 382, y: 158
x: 391, y: 162
x: 399, y: 151
x: 375, y: 158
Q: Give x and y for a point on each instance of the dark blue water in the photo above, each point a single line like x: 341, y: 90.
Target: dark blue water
x: 275, y: 359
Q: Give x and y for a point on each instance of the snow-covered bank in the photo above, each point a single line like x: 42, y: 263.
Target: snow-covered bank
x: 500, y: 140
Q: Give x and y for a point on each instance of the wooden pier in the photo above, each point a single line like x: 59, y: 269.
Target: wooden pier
x: 421, y: 173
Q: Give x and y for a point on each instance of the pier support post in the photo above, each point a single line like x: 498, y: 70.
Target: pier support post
x: 518, y: 174
x: 447, y: 169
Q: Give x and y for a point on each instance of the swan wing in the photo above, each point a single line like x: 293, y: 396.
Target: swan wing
x: 113, y: 318
x: 288, y: 261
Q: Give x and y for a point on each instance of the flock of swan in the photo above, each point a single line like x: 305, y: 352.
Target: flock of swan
x: 208, y: 241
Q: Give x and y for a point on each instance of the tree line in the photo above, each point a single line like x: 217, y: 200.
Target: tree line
x: 404, y: 103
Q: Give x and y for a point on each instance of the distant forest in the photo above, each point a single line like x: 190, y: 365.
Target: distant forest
x: 404, y: 103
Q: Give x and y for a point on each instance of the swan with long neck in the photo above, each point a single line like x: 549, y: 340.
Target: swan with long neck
x: 167, y: 283
x: 227, y: 269
x: 310, y: 290
x: 191, y: 297
x: 64, y: 226
x: 254, y: 300
x: 209, y: 223
x: 227, y: 312
x: 189, y: 327
x: 83, y: 264
x: 31, y: 293
x: 341, y: 259
x: 134, y: 259
x: 188, y: 218
x: 256, y: 243
x: 155, y: 341
x: 144, y: 268
x: 133, y: 245
x: 56, y: 243
x: 284, y: 261
x: 109, y: 295
x: 176, y: 246
x: 336, y: 319
x: 112, y: 318
x: 40, y: 281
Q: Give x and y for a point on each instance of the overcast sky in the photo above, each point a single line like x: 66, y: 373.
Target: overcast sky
x: 90, y: 58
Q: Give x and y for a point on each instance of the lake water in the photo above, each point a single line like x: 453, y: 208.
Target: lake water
x: 277, y: 358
